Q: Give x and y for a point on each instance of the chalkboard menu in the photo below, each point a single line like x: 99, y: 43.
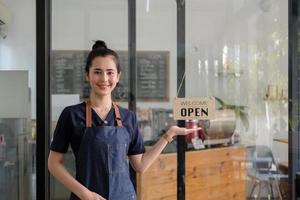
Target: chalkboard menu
x: 68, y: 74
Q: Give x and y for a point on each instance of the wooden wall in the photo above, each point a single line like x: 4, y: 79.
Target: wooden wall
x: 160, y: 180
x: 217, y: 173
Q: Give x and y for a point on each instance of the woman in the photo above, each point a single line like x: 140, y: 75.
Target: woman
x: 102, y: 135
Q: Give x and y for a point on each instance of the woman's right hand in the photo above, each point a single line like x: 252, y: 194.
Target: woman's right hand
x: 91, y: 196
x: 58, y: 170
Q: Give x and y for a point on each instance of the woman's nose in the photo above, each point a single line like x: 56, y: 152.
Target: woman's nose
x: 104, y: 77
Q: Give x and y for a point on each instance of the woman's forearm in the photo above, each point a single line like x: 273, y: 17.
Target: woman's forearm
x: 152, y: 154
x: 142, y: 162
x: 63, y: 176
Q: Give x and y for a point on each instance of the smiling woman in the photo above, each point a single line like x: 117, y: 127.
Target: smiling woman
x: 102, y: 135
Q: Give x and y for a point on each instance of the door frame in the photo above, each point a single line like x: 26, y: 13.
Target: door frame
x: 43, y: 50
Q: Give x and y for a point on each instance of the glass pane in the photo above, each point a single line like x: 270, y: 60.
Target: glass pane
x: 18, y: 95
x: 237, y: 51
x: 156, y: 89
x: 75, y: 27
x: 156, y: 68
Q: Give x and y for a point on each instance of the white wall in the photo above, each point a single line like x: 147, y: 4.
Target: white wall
x: 76, y: 23
x: 18, y: 50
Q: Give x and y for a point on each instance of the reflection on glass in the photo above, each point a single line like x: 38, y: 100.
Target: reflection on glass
x: 87, y: 21
x: 156, y: 32
x: 161, y: 38
x: 17, y: 142
x: 245, y: 50
x: 18, y: 107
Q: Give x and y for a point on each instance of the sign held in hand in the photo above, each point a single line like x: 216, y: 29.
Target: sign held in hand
x: 194, y: 108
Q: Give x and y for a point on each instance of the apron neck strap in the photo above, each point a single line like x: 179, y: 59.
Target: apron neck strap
x: 88, y: 114
x: 117, y: 113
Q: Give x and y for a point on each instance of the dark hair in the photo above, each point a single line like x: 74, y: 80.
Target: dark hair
x: 100, y: 49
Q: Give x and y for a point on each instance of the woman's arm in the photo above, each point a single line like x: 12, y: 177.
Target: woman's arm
x: 142, y: 162
x: 57, y: 169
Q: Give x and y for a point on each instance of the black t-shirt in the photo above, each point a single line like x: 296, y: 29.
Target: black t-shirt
x: 71, y: 126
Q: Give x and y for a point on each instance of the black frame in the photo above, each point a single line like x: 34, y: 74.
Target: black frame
x: 43, y: 38
x: 181, y: 145
x: 43, y: 31
x: 132, y: 54
x: 294, y: 95
x: 132, y: 66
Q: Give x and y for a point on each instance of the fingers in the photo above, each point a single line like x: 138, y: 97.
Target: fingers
x: 98, y: 197
x: 187, y: 131
x: 183, y: 131
x: 192, y: 129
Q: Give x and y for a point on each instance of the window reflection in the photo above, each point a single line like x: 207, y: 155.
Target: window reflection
x: 244, y: 46
x: 18, y: 94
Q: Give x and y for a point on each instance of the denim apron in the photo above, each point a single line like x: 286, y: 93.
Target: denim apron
x: 101, y: 162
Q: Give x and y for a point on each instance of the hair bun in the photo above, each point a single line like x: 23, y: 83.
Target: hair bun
x: 99, y: 44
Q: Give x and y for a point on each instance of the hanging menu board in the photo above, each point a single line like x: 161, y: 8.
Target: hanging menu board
x: 68, y: 74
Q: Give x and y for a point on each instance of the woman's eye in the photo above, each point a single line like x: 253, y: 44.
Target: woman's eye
x: 97, y: 72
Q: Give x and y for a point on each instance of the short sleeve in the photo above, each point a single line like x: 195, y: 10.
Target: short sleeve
x: 62, y: 133
x: 137, y: 144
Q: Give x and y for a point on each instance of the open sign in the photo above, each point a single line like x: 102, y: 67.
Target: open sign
x: 194, y: 108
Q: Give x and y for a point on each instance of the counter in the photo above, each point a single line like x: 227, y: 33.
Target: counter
x: 217, y: 173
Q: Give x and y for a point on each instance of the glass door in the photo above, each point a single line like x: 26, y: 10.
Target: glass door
x: 237, y: 52
x: 156, y: 63
x: 76, y: 25
x: 18, y: 100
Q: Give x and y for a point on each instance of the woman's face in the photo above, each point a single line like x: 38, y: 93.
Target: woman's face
x: 103, y: 75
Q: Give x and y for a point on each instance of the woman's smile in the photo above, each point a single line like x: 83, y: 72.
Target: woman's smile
x: 103, y: 86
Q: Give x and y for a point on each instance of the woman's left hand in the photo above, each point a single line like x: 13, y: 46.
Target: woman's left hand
x: 175, y: 130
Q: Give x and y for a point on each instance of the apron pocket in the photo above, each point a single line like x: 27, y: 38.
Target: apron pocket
x: 117, y: 158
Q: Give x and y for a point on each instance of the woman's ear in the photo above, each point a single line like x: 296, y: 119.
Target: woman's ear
x: 87, y: 77
x: 119, y: 76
